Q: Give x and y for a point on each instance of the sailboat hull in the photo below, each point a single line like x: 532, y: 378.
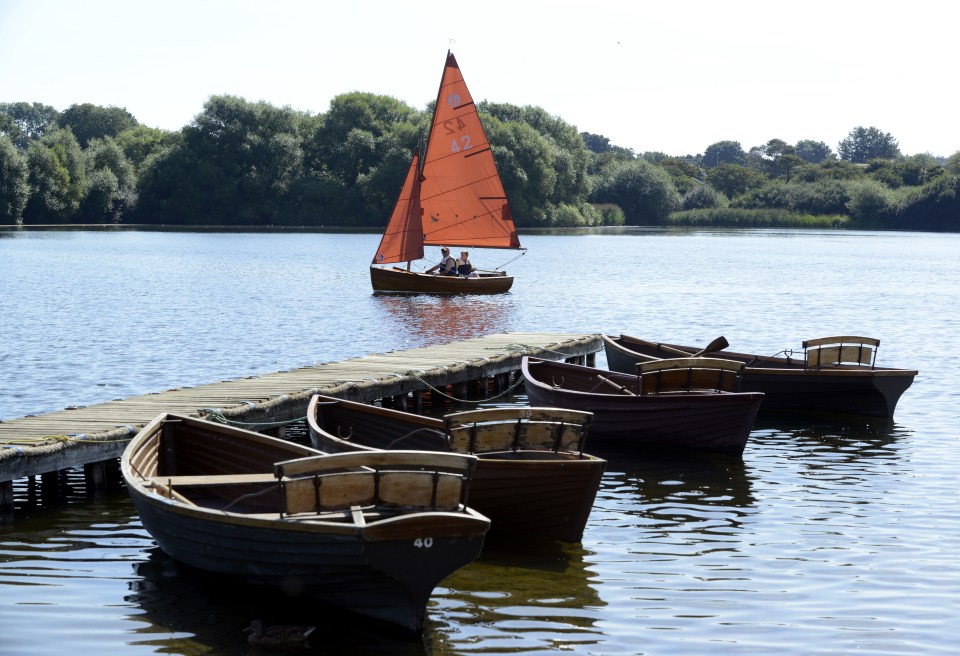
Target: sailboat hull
x: 400, y: 281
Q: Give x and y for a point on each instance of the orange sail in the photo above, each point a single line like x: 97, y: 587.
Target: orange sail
x: 403, y: 239
x: 462, y: 198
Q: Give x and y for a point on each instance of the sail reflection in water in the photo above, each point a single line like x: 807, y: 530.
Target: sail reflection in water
x: 440, y: 319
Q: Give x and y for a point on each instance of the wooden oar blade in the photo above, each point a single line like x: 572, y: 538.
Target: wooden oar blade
x: 718, y: 344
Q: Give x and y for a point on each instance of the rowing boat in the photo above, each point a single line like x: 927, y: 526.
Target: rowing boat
x: 370, y: 532
x: 676, y: 405
x: 532, y: 474
x: 832, y: 375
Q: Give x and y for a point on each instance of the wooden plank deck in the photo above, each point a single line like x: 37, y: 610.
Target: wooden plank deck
x: 69, y: 438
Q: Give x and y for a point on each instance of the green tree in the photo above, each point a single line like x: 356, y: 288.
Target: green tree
x: 734, y: 179
x: 349, y: 141
x: 57, y: 180
x: 140, y: 142
x: 703, y: 196
x: 14, y: 183
x: 601, y: 152
x: 525, y: 161
x: 32, y: 119
x: 813, y: 152
x: 815, y: 198
x: 917, y: 170
x: 935, y: 206
x: 952, y: 164
x: 570, y: 154
x: 831, y: 169
x: 872, y: 205
x: 234, y: 166
x: 644, y: 191
x: 723, y: 152
x: 9, y: 129
x: 686, y: 175
x: 864, y: 144
x: 776, y: 158
x: 88, y: 121
x: 111, y: 183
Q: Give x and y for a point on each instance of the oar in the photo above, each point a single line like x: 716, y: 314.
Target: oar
x: 616, y: 385
x: 718, y: 344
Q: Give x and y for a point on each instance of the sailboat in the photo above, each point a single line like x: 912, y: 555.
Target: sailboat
x: 452, y: 196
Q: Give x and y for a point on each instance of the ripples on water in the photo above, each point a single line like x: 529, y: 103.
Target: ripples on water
x: 828, y: 537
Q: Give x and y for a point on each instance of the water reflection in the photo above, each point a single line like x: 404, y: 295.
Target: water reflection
x: 702, y: 498
x: 524, y: 594
x: 189, y: 612
x: 847, y: 441
x: 445, y: 318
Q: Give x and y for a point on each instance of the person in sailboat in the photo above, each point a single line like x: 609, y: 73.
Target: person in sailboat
x: 465, y: 267
x: 447, y: 265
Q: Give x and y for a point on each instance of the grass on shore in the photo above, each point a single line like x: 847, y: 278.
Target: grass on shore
x: 765, y: 218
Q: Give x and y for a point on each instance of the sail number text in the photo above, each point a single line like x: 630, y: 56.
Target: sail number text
x: 458, y: 142
x: 423, y: 543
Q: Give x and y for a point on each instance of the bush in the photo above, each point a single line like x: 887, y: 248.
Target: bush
x: 610, y: 214
x: 703, y: 196
x: 822, y: 197
x: 872, y: 205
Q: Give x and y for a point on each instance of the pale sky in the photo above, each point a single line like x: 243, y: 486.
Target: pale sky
x: 669, y: 76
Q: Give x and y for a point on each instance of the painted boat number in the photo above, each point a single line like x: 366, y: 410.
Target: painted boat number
x: 460, y: 143
x: 423, y: 543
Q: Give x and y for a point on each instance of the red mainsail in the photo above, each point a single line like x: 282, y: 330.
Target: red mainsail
x: 455, y: 196
x: 461, y: 194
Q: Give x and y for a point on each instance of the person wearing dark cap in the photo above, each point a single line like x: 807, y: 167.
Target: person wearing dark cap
x: 447, y: 266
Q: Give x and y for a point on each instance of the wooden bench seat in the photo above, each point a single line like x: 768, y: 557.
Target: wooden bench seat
x: 840, y: 349
x: 688, y: 375
x: 514, y: 429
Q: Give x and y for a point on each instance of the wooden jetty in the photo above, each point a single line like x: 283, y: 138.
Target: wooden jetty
x: 94, y: 436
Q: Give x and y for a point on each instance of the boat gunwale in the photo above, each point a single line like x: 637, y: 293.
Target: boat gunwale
x: 791, y: 367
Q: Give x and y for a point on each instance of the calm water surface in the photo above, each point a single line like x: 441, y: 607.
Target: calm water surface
x: 827, y: 538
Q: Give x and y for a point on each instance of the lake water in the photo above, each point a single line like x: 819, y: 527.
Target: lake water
x: 827, y: 538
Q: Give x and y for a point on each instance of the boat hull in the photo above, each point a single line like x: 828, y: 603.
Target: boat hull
x: 712, y: 421
x: 371, y: 578
x: 385, y: 570
x: 401, y: 281
x: 786, y: 383
x: 543, y: 492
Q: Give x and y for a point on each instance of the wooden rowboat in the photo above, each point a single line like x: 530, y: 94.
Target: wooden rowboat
x: 373, y: 533
x: 676, y: 405
x: 833, y: 375
x: 532, y: 474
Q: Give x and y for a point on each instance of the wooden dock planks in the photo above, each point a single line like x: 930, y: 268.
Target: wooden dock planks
x: 69, y: 438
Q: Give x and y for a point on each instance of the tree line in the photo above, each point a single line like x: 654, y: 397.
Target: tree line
x: 242, y: 163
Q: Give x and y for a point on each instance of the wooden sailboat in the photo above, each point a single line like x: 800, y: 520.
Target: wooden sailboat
x: 452, y: 196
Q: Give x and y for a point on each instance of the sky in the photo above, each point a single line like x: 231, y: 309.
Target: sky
x: 662, y: 76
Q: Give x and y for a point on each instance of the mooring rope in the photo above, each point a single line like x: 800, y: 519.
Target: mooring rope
x: 526, y: 348
x: 215, y: 415
x: 453, y: 398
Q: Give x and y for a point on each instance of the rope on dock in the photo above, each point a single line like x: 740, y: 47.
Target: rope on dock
x: 215, y: 415
x: 453, y: 398
x: 525, y: 348
x: 49, y: 444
